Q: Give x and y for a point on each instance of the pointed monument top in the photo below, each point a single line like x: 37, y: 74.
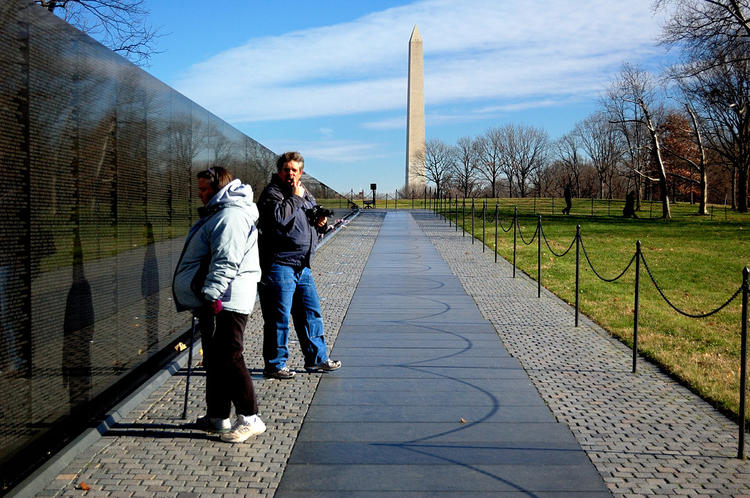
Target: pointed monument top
x: 415, y: 35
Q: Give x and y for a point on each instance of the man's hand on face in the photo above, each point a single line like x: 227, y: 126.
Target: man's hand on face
x: 298, y: 189
x: 291, y: 173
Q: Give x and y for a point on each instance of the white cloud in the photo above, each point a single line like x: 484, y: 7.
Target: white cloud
x: 474, y: 50
x: 329, y: 151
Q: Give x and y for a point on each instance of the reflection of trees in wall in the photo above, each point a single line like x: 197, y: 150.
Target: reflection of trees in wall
x: 121, y: 25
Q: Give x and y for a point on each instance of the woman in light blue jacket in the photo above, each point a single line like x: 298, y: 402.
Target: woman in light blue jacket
x: 216, y: 278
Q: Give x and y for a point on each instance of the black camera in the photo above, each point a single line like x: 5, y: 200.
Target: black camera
x: 318, y: 212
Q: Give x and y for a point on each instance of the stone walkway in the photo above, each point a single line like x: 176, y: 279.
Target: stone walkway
x: 645, y: 434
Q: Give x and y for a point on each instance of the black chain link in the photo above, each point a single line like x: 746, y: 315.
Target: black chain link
x: 532, y: 238
x: 552, y: 250
x: 681, y: 312
x: 502, y: 228
x: 597, y: 273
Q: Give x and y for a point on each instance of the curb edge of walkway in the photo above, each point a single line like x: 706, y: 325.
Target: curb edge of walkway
x: 38, y: 479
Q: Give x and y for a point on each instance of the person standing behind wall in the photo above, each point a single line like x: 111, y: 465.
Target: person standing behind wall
x: 289, y: 234
x: 216, y: 278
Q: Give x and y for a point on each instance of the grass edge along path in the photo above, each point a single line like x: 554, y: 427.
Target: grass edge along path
x: 697, y: 262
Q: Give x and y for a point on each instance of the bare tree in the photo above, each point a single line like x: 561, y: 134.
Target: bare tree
x: 489, y: 149
x: 120, y: 25
x: 714, y: 37
x: 709, y: 32
x: 635, y: 87
x: 438, y: 163
x: 524, y: 150
x: 465, y: 165
x: 697, y: 162
x: 600, y: 141
x: 724, y: 96
x: 567, y: 151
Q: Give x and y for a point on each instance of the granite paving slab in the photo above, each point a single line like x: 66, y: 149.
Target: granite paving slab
x: 428, y: 400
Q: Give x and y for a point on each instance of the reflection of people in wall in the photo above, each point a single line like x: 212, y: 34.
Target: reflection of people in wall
x: 150, y: 288
x: 78, y: 334
x: 11, y: 360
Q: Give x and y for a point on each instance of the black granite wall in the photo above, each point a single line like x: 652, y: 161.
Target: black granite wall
x: 97, y: 190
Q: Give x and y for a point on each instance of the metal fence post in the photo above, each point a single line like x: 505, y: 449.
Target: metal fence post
x: 515, y: 230
x: 456, y: 211
x: 472, y: 221
x: 637, y: 293
x: 463, y: 217
x: 450, y: 221
x: 539, y: 257
x: 743, y: 367
x: 189, y: 365
x: 578, y: 265
x: 496, y: 232
x: 484, y: 210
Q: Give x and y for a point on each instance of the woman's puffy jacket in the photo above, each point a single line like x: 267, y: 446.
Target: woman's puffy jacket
x: 220, y: 257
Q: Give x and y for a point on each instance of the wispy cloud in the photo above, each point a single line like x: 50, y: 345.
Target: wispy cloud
x: 474, y: 50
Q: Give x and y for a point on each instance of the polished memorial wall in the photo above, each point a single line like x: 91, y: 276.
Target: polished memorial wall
x: 97, y: 192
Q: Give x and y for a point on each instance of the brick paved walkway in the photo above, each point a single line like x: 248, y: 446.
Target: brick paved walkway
x: 644, y: 433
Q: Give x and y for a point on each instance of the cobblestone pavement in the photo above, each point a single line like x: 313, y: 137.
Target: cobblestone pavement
x: 154, y: 452
x: 646, y: 434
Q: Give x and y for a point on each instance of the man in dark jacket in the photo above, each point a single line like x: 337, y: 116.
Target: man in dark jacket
x: 289, y: 234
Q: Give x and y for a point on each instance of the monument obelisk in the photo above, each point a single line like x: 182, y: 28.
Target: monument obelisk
x: 415, y: 180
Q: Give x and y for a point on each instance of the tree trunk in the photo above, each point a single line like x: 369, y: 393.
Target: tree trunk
x: 742, y: 190
x: 703, y: 202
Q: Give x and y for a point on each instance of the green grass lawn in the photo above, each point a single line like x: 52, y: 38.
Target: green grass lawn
x: 697, y: 261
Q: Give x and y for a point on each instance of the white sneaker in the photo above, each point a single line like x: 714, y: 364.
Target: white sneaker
x: 244, y: 427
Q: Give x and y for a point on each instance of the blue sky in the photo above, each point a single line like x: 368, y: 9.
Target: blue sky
x: 328, y: 78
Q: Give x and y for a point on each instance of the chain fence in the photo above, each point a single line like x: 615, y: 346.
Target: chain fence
x: 637, y: 258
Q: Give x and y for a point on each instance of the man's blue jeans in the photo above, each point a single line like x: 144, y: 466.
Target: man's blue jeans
x: 285, y: 290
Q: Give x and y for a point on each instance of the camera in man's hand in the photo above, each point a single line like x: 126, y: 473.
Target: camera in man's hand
x: 316, y: 213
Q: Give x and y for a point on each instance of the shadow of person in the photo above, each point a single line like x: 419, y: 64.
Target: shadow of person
x: 150, y: 288
x: 78, y: 335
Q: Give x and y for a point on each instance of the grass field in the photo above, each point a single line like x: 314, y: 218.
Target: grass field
x: 697, y: 261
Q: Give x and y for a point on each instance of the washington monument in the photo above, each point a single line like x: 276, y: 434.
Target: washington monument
x: 415, y: 179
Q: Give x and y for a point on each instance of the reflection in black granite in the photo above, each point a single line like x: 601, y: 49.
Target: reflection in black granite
x: 78, y: 336
x: 99, y: 162
x: 150, y: 288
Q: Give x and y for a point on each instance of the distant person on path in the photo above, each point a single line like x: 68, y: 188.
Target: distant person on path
x: 290, y: 230
x: 629, y: 210
x: 568, y: 199
x: 216, y: 278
